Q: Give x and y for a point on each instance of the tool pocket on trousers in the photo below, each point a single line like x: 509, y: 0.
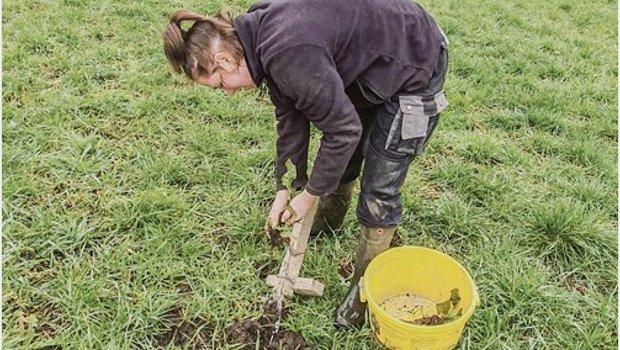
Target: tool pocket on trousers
x: 412, y: 123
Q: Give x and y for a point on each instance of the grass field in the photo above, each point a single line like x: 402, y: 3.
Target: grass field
x: 133, y: 201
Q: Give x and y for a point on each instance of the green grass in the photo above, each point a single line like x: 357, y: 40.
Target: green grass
x: 128, y: 192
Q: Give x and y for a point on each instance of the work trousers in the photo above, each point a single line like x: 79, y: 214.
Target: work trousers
x: 394, y: 133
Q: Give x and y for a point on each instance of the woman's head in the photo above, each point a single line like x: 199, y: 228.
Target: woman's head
x: 209, y: 52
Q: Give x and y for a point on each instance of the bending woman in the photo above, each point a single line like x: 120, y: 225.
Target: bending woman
x: 368, y: 74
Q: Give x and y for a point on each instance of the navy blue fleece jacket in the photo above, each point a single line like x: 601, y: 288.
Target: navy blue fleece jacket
x: 309, y: 51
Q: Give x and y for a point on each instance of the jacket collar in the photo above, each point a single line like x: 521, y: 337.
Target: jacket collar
x: 246, y: 27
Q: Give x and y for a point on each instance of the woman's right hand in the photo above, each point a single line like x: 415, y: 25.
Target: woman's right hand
x: 278, y: 207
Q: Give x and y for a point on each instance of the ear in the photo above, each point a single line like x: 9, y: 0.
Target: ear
x: 225, y: 61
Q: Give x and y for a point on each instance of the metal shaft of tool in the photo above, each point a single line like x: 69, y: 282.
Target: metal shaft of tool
x: 276, y: 326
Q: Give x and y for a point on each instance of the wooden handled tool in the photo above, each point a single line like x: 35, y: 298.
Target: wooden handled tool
x: 287, y: 281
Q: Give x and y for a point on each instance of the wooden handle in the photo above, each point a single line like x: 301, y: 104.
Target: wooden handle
x: 291, y: 264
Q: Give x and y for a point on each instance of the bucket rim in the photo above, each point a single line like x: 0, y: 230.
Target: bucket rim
x: 464, y: 317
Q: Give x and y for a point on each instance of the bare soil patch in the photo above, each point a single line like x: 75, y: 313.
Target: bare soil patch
x: 247, y: 331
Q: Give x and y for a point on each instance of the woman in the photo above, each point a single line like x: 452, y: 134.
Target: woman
x: 369, y: 74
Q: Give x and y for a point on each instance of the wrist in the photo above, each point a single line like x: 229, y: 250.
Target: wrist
x: 309, y: 195
x: 282, y: 196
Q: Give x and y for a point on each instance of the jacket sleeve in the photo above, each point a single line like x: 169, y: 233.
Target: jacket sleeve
x: 307, y: 75
x: 293, y: 138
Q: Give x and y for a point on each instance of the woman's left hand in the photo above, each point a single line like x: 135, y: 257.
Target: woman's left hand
x: 301, y: 204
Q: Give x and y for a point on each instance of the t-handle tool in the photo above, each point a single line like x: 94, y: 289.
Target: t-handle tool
x: 287, y: 282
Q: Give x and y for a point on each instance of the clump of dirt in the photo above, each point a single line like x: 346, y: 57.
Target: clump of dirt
x: 243, y: 332
x: 345, y: 267
x: 246, y: 332
x: 432, y: 320
x: 275, y: 236
x: 192, y: 334
x: 286, y: 340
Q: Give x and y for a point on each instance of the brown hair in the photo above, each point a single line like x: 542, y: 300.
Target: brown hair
x: 189, y: 51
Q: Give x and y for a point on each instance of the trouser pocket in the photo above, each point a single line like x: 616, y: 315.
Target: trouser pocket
x: 414, y: 122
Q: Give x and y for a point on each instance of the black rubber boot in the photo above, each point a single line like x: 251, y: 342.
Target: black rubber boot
x: 332, y: 209
x: 372, y: 241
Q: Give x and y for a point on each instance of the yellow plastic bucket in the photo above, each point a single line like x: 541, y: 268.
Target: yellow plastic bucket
x: 418, y: 271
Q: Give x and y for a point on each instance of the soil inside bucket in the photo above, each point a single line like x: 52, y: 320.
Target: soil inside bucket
x: 408, y: 307
x: 432, y: 320
x: 415, y: 309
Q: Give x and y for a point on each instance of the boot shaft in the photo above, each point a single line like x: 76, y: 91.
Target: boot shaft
x: 332, y: 209
x: 371, y: 242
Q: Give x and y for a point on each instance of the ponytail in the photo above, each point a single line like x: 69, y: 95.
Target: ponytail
x: 189, y: 51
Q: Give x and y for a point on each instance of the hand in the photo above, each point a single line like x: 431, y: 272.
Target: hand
x: 278, y: 207
x: 301, y: 204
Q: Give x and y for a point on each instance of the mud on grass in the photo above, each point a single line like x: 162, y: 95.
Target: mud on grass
x: 247, y: 332
x: 198, y: 334
x: 275, y: 237
x: 192, y: 334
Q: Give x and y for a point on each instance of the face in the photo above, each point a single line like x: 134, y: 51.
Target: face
x: 229, y: 76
